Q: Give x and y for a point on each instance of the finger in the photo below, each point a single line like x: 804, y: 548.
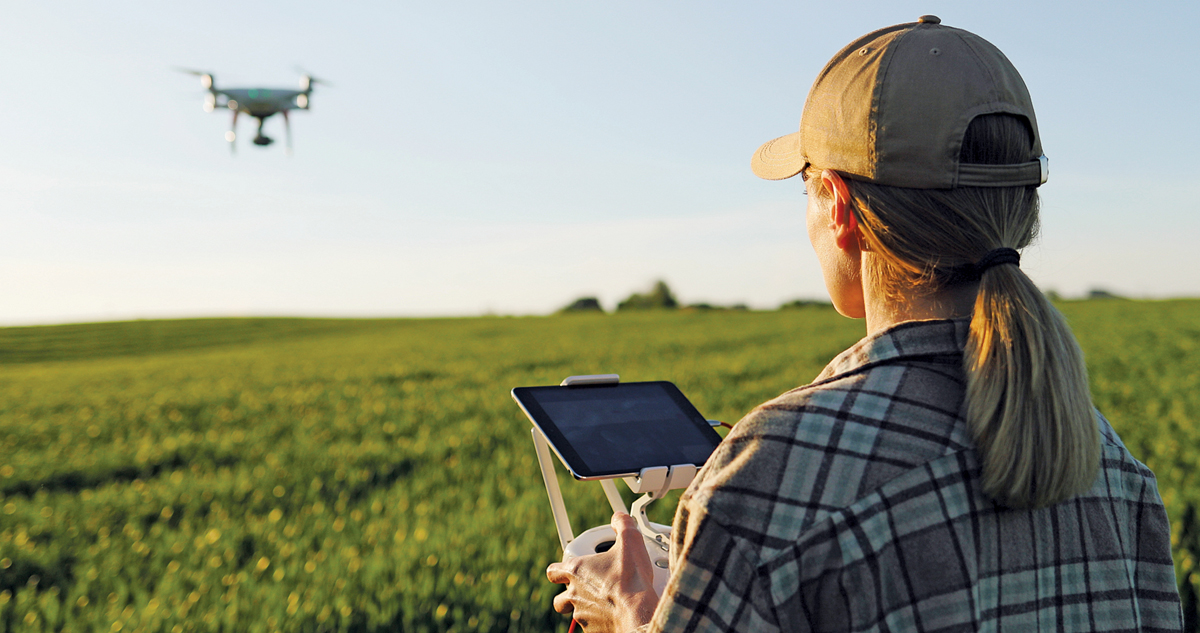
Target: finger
x: 632, y: 550
x: 558, y: 573
x: 627, y: 530
x: 621, y: 521
x: 563, y: 603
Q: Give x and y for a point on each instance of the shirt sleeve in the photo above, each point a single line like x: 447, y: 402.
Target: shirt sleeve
x: 715, y: 583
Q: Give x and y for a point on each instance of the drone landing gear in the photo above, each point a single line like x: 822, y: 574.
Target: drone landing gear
x: 287, y: 128
x: 231, y: 135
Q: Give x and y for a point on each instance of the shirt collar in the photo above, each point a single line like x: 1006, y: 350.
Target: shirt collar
x: 904, y: 340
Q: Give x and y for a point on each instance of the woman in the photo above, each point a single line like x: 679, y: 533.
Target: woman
x: 948, y: 472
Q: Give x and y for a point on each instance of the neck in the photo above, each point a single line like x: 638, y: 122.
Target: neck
x: 883, y: 312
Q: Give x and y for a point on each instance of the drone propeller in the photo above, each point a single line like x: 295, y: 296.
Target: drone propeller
x: 307, y: 81
x: 206, y: 78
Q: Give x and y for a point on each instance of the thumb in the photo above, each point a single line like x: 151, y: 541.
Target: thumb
x: 622, y: 521
x: 630, y: 538
x: 626, y: 528
x: 637, y: 571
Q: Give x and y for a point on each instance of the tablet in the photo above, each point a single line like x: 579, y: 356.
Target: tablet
x: 616, y: 430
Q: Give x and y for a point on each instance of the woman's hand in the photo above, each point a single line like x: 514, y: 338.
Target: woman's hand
x: 612, y: 591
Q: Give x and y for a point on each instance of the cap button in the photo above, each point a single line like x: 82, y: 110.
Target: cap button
x: 929, y: 19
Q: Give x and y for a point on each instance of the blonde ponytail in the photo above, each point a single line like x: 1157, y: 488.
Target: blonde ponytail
x: 1028, y: 407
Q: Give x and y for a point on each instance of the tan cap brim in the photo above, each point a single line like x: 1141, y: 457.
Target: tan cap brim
x: 778, y: 159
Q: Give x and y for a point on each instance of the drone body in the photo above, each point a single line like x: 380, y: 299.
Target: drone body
x: 260, y: 103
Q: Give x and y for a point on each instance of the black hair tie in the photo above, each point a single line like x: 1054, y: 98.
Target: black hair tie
x: 996, y: 258
x: 972, y: 272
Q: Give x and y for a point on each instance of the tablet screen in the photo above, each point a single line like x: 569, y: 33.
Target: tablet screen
x: 617, y: 430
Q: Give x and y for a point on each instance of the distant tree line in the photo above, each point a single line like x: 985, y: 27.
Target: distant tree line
x: 660, y: 297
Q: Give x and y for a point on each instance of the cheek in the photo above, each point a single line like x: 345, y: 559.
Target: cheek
x: 820, y: 235
x: 822, y: 243
x: 812, y: 220
x: 841, y: 273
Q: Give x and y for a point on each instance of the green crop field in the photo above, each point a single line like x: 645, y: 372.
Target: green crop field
x: 362, y: 475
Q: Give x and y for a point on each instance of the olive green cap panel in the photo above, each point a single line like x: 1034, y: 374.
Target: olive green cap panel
x: 939, y: 79
x: 837, y: 130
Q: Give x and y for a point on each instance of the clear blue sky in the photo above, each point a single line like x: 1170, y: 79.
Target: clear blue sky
x: 475, y: 157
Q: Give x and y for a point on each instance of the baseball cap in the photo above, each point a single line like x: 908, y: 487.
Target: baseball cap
x: 892, y: 108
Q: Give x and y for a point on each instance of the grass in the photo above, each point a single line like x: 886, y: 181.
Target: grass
x: 355, y: 475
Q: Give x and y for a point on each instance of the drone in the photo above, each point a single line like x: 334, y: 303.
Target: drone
x: 260, y: 103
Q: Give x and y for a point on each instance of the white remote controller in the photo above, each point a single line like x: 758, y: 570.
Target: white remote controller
x: 601, y: 538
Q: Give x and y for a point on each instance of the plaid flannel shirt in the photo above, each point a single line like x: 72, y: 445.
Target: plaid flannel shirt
x: 853, y: 504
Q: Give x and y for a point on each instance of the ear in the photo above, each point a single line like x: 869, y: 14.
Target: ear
x: 845, y: 225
